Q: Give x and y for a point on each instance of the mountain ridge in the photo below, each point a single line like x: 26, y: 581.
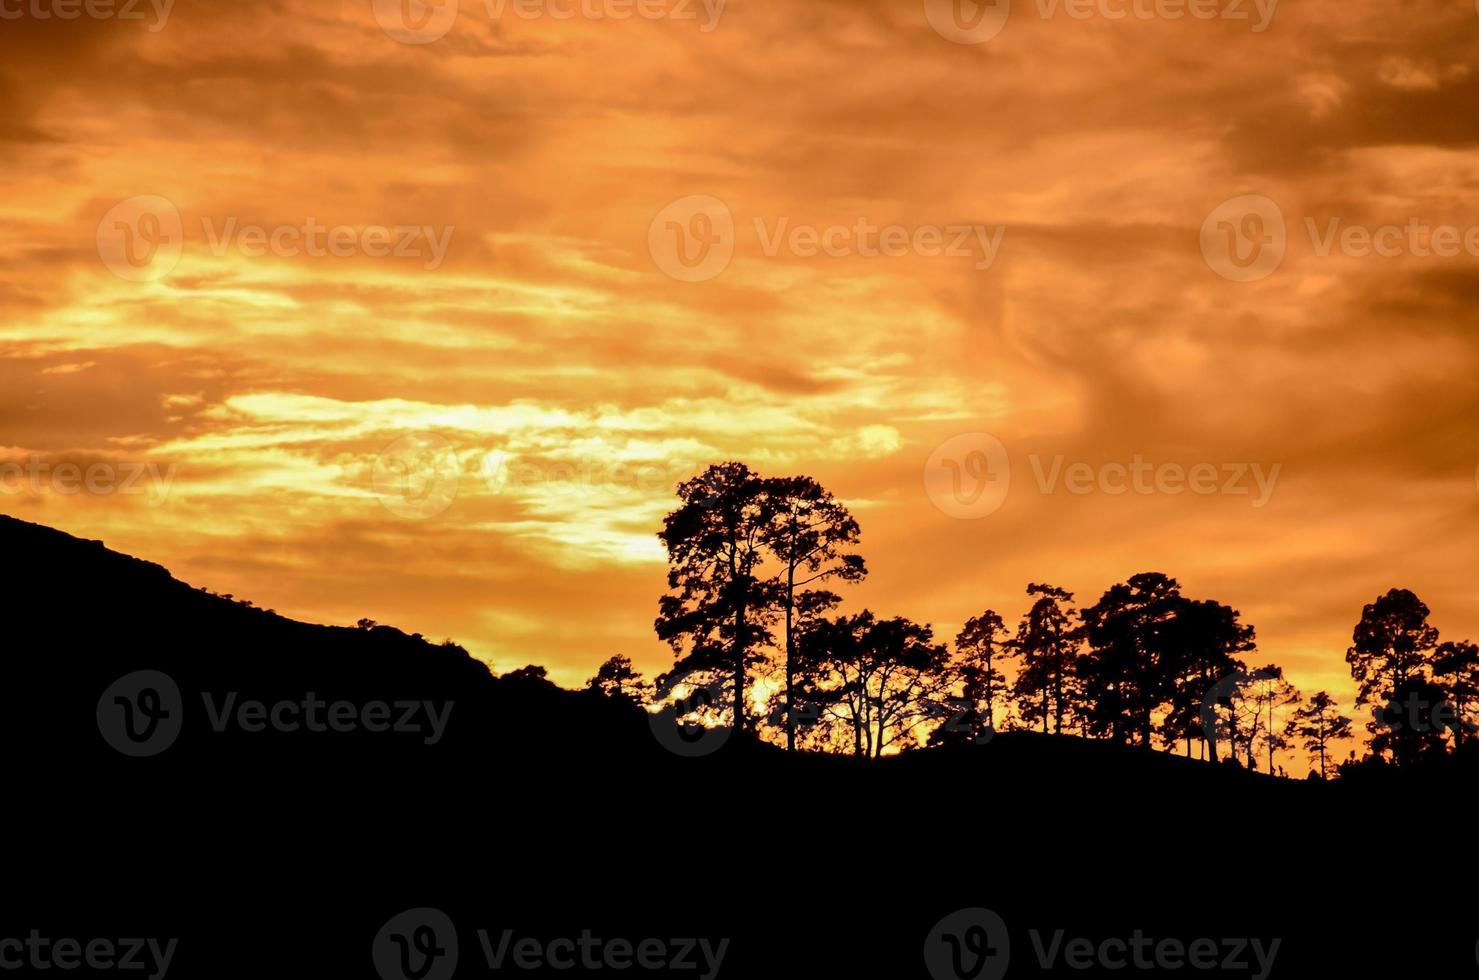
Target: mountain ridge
x: 528, y: 787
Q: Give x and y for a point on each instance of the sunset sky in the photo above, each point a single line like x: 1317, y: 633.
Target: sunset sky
x: 538, y: 342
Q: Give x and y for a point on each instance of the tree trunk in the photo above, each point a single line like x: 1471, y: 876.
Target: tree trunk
x: 1058, y: 704
x: 1209, y: 734
x: 790, y: 670
x: 1270, y: 737
x: 739, y: 668
x: 739, y: 641
x: 990, y: 697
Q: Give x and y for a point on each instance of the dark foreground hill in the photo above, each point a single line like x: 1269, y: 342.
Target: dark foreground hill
x: 149, y: 796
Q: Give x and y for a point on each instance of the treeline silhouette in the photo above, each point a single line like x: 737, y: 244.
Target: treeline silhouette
x: 753, y: 561
x: 553, y: 811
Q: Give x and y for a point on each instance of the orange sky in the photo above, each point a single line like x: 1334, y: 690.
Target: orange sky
x: 568, y: 381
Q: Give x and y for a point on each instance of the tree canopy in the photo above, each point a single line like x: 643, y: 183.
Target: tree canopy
x: 1144, y: 664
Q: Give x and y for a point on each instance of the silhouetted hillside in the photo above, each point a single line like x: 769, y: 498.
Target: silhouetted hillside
x: 516, y: 804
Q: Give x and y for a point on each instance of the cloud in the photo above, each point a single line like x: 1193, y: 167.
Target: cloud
x: 575, y: 383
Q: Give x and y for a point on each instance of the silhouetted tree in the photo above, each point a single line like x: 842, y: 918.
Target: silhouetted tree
x: 1388, y: 656
x: 961, y: 720
x: 718, y: 606
x: 1456, y: 667
x: 1319, y: 722
x: 812, y: 606
x: 1125, y: 674
x: 1413, y: 724
x: 881, y: 679
x: 810, y: 535
x: 1240, y: 707
x: 1203, y: 642
x: 616, y: 678
x: 1268, y: 692
x: 977, y: 646
x: 533, y: 675
x: 1048, y: 640
x: 1227, y: 714
x: 1390, y: 645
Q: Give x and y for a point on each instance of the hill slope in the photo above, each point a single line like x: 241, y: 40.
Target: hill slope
x: 508, y: 802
